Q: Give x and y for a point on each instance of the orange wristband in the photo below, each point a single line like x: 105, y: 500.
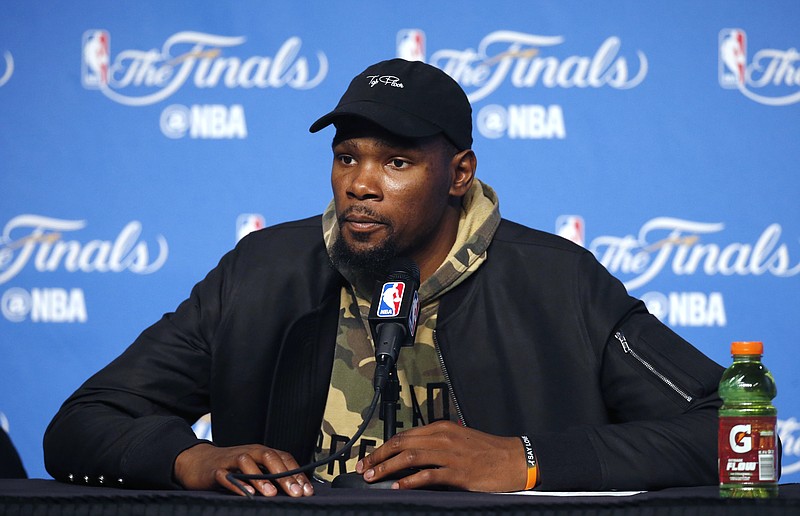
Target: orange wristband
x: 530, y: 460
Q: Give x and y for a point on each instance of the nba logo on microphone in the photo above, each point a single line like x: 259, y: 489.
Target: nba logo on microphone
x: 411, y: 45
x: 95, y: 58
x: 732, y: 58
x: 391, y: 299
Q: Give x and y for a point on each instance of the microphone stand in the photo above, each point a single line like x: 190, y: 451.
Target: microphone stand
x: 390, y: 404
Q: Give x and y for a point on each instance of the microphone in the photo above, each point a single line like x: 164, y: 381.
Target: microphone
x: 393, y: 316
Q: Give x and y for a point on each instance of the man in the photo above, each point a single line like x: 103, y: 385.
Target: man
x: 536, y: 367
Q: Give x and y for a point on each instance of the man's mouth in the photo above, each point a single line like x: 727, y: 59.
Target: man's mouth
x: 362, y: 223
x: 361, y: 220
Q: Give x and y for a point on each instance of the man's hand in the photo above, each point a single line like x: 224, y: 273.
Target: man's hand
x: 450, y: 455
x: 205, y: 466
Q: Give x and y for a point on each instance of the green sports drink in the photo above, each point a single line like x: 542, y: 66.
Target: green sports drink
x: 747, y: 426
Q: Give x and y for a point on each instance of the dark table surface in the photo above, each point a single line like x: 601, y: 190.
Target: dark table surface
x: 48, y: 497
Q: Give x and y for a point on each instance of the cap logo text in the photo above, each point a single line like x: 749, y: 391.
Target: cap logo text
x: 388, y: 80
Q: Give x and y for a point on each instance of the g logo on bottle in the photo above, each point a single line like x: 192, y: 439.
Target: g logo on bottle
x: 740, y: 438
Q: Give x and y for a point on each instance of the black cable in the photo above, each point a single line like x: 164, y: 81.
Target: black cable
x: 237, y: 478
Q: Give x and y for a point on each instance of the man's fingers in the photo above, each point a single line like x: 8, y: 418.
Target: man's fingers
x: 221, y: 478
x: 412, y: 441
x: 205, y: 466
x: 271, y: 462
x: 247, y: 465
x: 428, y: 477
x: 384, y: 452
x: 421, y: 462
x: 278, y: 462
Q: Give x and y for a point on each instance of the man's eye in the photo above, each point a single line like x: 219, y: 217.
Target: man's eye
x: 346, y: 159
x: 399, y: 163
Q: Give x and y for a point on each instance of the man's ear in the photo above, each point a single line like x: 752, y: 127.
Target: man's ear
x: 463, y: 166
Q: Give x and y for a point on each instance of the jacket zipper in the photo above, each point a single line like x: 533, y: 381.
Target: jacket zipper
x: 669, y: 383
x: 447, y: 380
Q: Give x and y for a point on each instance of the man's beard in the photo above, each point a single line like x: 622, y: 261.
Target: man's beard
x: 370, y: 265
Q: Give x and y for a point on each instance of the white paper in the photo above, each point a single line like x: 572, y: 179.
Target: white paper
x: 576, y: 493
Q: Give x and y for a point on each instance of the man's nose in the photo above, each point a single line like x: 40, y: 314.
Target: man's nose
x: 366, y: 181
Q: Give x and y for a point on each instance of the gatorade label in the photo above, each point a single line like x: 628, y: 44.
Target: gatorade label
x: 747, y: 450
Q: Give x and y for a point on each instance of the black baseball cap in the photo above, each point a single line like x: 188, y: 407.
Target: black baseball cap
x: 408, y: 98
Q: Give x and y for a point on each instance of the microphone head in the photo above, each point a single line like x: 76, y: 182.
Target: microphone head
x: 403, y: 268
x: 396, y: 299
x: 393, y: 316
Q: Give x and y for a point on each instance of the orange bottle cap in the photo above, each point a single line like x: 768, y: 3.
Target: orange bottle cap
x: 747, y: 348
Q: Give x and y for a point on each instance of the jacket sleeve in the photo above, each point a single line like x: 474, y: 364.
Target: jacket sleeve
x: 125, y: 425
x: 660, y: 394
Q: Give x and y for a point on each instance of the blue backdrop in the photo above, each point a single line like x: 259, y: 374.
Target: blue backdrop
x: 140, y: 139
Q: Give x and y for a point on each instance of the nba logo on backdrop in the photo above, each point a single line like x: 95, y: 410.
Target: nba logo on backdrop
x: 95, y: 58
x: 391, y: 298
x: 411, y: 45
x: 771, y: 76
x: 246, y: 223
x: 732, y: 58
x: 571, y: 227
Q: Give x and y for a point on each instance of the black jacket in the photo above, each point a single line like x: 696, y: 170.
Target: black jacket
x: 541, y: 340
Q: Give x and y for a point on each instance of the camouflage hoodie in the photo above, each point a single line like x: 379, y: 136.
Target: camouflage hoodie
x: 425, y: 395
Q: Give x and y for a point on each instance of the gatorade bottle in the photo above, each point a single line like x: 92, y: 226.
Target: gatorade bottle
x: 747, y: 426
